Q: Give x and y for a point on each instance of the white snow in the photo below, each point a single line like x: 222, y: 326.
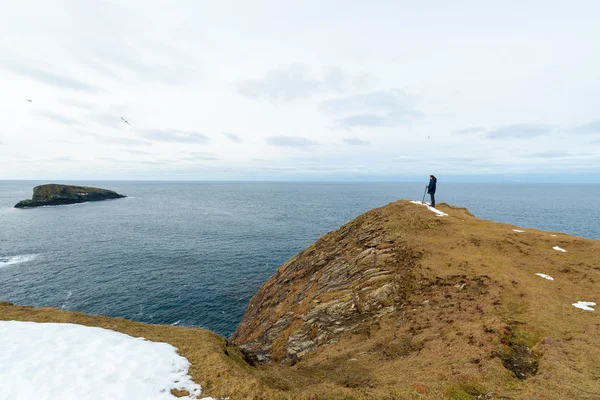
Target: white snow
x: 67, y: 361
x: 559, y: 249
x: 517, y: 230
x: 4, y: 261
x: 438, y: 212
x: 585, y: 305
x: 546, y: 276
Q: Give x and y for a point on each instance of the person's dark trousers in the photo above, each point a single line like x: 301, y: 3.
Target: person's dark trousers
x: 432, y: 199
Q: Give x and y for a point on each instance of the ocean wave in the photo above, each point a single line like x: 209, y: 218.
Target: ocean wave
x: 4, y: 261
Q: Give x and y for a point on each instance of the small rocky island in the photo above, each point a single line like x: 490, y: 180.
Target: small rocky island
x: 55, y: 195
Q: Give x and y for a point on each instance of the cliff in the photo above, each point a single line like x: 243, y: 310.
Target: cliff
x: 402, y: 303
x: 403, y: 300
x: 53, y: 195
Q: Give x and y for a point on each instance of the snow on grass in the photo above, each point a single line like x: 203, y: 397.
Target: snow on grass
x: 559, y: 249
x: 438, y: 212
x: 585, y: 305
x: 518, y: 230
x: 546, y: 276
x: 67, y: 361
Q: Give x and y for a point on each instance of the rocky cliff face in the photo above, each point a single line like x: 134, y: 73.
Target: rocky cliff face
x: 53, y: 194
x: 341, y: 284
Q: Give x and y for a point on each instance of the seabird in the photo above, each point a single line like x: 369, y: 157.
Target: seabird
x: 31, y: 101
x: 127, y: 122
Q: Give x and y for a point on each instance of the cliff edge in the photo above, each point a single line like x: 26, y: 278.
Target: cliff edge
x: 407, y: 299
x: 54, y: 195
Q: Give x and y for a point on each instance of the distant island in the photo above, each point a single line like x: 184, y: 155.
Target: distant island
x: 56, y: 195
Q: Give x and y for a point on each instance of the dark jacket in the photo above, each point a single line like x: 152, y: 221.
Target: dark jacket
x: 431, y: 186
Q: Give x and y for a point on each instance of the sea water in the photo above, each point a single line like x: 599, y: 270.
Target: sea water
x: 194, y: 253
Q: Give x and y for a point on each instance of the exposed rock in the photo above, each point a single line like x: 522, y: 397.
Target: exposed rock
x: 348, y: 278
x: 54, y: 195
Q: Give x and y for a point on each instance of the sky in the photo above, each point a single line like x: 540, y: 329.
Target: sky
x: 311, y: 90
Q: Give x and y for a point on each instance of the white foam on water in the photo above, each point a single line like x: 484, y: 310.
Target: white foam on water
x: 4, y: 261
x: 434, y: 210
x: 68, y: 361
x: 64, y: 305
x: 585, y: 305
x: 546, y: 276
x: 559, y: 249
x: 517, y: 230
x: 63, y: 205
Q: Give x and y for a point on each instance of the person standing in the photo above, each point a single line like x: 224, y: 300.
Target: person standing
x: 431, y: 189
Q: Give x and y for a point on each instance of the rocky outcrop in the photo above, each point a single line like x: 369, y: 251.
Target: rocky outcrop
x: 54, y: 195
x: 343, y: 283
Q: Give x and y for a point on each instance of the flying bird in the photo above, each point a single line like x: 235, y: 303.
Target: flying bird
x: 429, y: 137
x: 31, y: 101
x: 127, y: 122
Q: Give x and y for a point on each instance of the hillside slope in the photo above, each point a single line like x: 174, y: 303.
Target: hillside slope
x: 403, y: 301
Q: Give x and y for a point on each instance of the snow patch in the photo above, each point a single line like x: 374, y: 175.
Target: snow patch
x: 517, y: 230
x: 546, y: 276
x: 585, y: 305
x: 438, y: 212
x: 67, y: 361
x: 559, y: 249
x: 4, y: 261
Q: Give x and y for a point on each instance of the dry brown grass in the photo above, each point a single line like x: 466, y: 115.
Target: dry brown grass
x: 474, y: 307
x: 217, y: 367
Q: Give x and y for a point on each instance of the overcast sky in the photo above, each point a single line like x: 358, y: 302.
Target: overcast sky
x: 309, y: 90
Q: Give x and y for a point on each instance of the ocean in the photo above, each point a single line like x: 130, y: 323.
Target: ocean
x: 194, y: 253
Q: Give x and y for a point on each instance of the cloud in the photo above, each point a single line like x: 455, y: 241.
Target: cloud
x: 280, y: 85
x: 547, y: 154
x: 405, y: 159
x: 47, y: 77
x: 290, y: 141
x: 57, y: 118
x: 140, y: 152
x: 232, y: 137
x: 290, y: 83
x: 175, y: 136
x: 469, y: 131
x: 519, y: 131
x: 335, y: 79
x: 200, y: 156
x: 118, y: 140
x: 62, y: 159
x: 373, y: 109
x: 356, y: 142
x: 156, y: 162
x: 107, y: 119
x: 591, y: 127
